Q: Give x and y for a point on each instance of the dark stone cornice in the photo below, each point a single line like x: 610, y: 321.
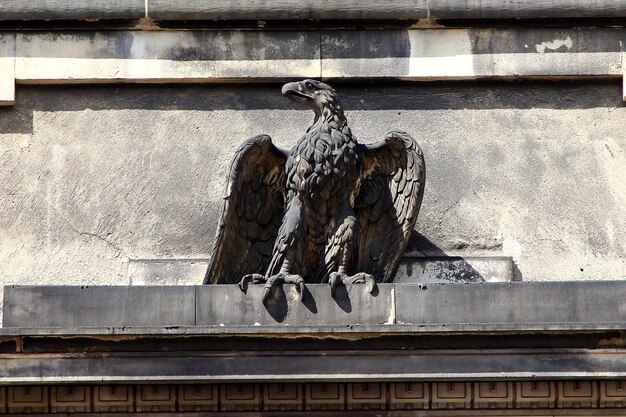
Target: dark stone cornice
x: 428, y: 12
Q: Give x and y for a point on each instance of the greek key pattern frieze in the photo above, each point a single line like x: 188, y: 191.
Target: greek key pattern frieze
x: 389, y: 396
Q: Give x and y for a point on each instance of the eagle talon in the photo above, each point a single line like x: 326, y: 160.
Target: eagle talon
x: 273, y: 281
x: 361, y: 278
x: 254, y: 278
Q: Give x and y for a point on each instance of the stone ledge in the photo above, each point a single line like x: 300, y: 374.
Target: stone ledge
x: 255, y: 56
x: 478, y: 332
x: 432, y: 307
x: 308, y: 9
x: 65, y: 9
x: 312, y: 366
x: 287, y: 10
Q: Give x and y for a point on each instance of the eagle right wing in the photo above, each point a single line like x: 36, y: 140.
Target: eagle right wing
x: 252, y: 212
x: 388, y: 202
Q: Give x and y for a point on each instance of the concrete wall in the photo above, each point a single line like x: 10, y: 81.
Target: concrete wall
x: 94, y: 177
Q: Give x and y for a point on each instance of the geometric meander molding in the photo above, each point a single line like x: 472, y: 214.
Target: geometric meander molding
x: 318, y: 397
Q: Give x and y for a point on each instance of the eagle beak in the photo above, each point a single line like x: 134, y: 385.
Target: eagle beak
x: 296, y: 92
x: 291, y: 87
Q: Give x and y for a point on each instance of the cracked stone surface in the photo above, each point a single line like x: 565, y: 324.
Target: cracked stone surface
x: 91, y: 176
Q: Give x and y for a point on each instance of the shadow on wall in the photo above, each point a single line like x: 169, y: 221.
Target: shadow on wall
x: 424, y: 262
x: 427, y: 262
x: 452, y: 95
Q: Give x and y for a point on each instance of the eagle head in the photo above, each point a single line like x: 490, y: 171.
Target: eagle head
x: 312, y: 93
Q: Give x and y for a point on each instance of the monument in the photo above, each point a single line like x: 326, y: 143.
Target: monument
x: 119, y: 121
x: 330, y: 210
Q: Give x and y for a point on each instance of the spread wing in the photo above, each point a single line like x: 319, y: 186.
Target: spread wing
x: 252, y: 212
x: 388, y: 202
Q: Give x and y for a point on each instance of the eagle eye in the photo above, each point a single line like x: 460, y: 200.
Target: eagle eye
x: 308, y: 84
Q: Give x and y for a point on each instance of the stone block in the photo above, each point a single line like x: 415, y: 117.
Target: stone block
x: 113, y: 398
x: 66, y: 9
x: 155, y: 398
x: 512, y: 304
x: 325, y: 396
x: 535, y: 394
x: 521, y: 9
x: 27, y: 399
x: 198, y: 397
x: 367, y: 396
x: 470, y: 53
x: 59, y: 306
x: 409, y: 396
x: 70, y: 399
x: 286, y: 9
x: 227, y: 305
x: 494, y: 395
x: 612, y: 394
x: 172, y: 56
x: 283, y: 397
x: 451, y: 395
x: 578, y: 394
x: 240, y: 397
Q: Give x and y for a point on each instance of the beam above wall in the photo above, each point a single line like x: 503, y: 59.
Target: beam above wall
x: 67, y: 9
x: 442, y: 332
x: 308, y: 9
x: 254, y: 56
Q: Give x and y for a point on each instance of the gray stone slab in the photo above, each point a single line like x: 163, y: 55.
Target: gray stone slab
x: 175, y: 45
x: 63, y: 306
x: 523, y: 9
x: 296, y: 9
x: 321, y: 365
x: 556, y: 306
x: 470, y: 53
x: 227, y: 305
x: 286, y: 9
x: 541, y: 303
x: 160, y: 56
x: 346, y: 331
x: 67, y: 9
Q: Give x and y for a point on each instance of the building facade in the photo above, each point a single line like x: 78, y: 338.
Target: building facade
x: 118, y: 122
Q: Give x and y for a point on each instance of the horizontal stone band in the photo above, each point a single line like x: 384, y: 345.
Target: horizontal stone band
x: 224, y: 56
x: 309, y: 9
x: 600, y: 398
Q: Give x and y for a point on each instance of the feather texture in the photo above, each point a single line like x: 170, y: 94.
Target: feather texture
x: 329, y: 205
x: 389, y: 202
x: 254, y: 199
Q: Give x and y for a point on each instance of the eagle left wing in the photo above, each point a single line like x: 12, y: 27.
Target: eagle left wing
x: 388, y: 202
x: 252, y: 212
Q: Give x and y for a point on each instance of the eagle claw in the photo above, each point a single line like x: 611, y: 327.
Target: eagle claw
x: 271, y: 282
x: 247, y: 279
x: 337, y: 278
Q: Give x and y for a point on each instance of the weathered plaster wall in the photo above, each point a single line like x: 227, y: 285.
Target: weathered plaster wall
x: 92, y: 176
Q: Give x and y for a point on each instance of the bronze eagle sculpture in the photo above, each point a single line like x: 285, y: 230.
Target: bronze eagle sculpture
x: 330, y: 210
